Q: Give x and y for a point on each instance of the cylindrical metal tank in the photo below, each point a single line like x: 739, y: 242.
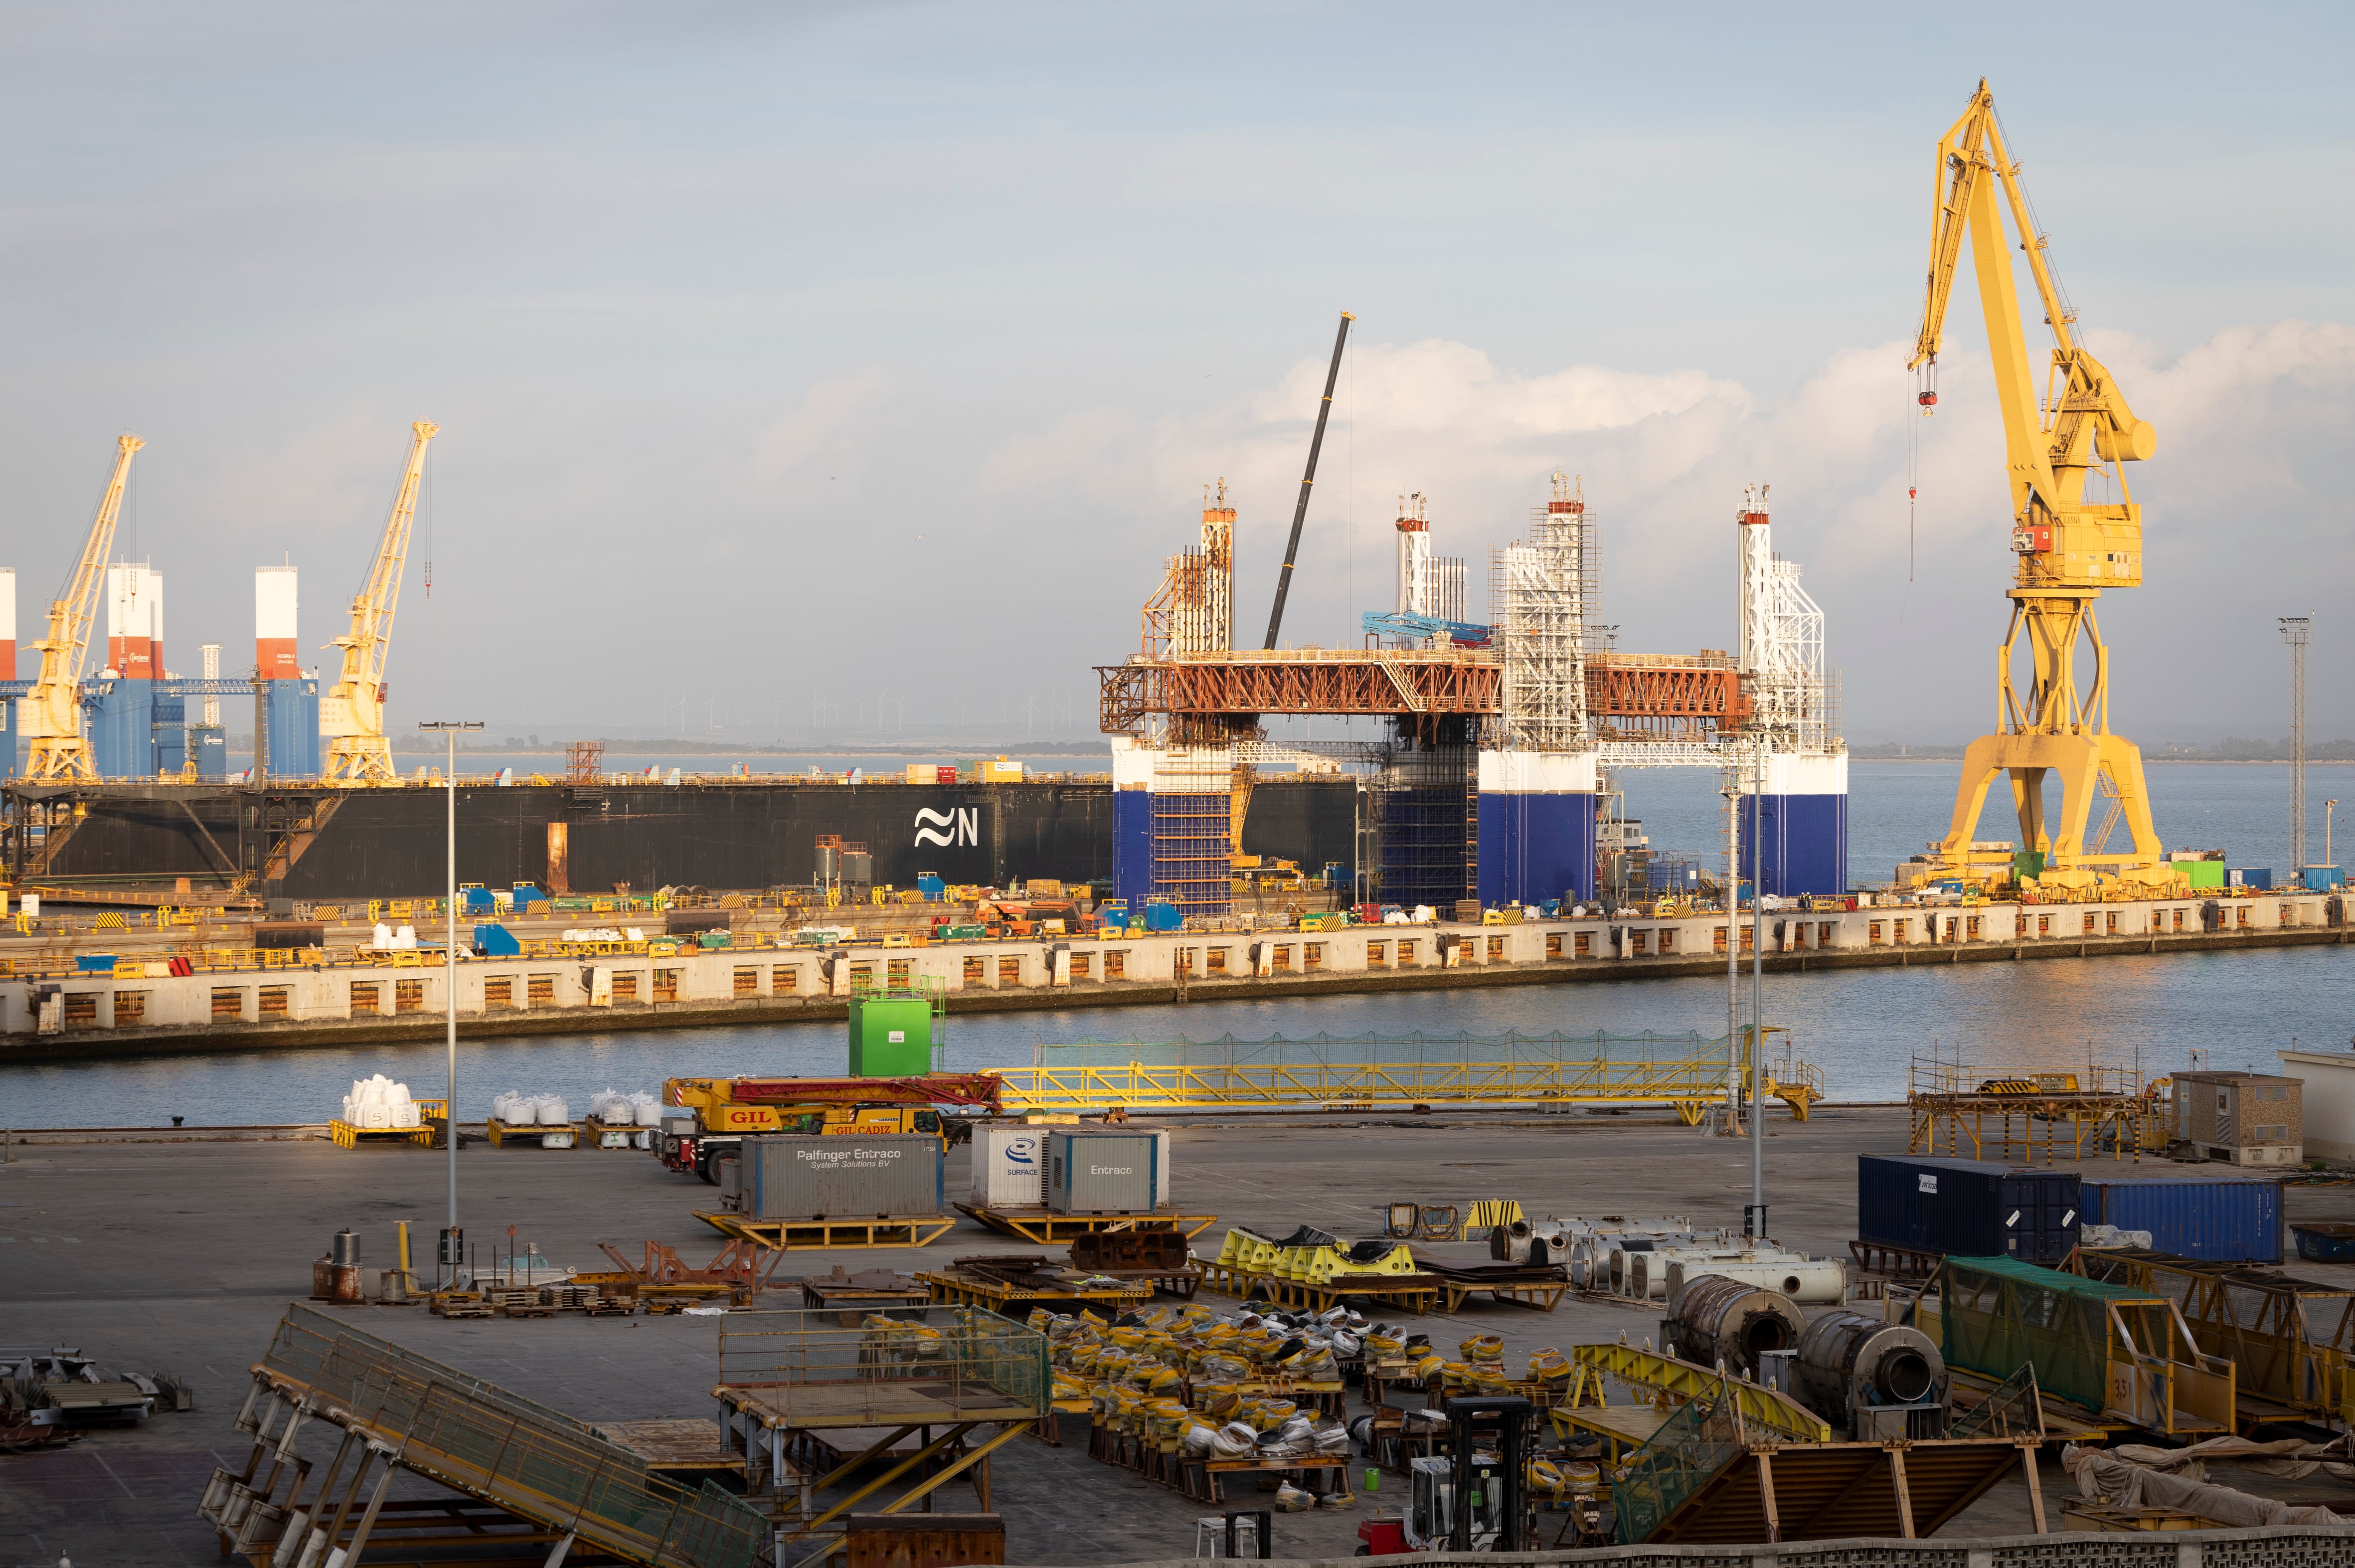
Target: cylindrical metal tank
x: 1715, y: 1318
x: 1820, y: 1282
x: 817, y: 1176
x: 1848, y: 1358
x: 346, y: 1249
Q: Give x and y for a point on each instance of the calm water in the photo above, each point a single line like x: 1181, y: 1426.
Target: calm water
x: 1861, y: 1026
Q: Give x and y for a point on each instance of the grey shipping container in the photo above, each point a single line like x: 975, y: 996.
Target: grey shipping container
x: 2231, y: 1219
x: 1101, y: 1173
x: 1966, y: 1208
x: 814, y: 1176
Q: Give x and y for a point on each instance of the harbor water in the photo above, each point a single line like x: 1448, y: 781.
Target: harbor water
x: 1862, y: 1027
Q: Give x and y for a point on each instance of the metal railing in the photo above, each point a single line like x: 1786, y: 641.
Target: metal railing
x: 930, y: 1364
x: 1685, y: 1071
x: 488, y: 1443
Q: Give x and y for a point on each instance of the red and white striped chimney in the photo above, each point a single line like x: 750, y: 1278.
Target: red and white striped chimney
x: 274, y: 657
x: 135, y: 621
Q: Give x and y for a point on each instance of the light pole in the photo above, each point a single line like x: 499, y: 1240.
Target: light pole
x: 2297, y: 631
x: 453, y: 1239
x: 2327, y: 807
x: 1756, y: 1220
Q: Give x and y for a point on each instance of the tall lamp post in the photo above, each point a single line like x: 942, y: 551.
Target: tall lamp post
x: 453, y: 1239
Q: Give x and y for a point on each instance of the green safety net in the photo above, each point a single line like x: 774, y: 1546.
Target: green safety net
x: 1688, y: 1450
x: 1997, y: 1316
x: 1353, y: 1050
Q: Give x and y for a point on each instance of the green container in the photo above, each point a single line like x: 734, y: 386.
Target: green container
x: 2028, y: 863
x: 890, y: 1037
x: 2204, y: 873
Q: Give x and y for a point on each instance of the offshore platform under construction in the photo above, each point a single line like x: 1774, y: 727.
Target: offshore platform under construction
x: 1501, y: 738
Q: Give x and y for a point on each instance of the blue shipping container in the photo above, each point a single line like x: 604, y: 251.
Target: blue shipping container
x: 1966, y: 1208
x: 2214, y: 1219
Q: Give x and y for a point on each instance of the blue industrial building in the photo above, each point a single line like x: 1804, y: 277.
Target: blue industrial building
x: 119, y: 720
x: 289, y: 711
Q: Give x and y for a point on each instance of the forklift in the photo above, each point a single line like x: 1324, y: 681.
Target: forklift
x: 1490, y: 1443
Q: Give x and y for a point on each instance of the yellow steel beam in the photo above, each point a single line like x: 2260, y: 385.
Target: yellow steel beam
x: 1761, y: 1407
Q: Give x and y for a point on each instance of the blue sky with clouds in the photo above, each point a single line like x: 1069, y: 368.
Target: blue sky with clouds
x: 856, y: 349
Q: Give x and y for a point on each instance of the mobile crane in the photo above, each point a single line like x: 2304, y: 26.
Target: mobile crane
x: 2068, y: 548
x: 351, y: 716
x: 51, y: 716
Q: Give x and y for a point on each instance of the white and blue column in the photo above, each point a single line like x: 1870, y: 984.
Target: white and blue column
x: 1800, y: 817
x: 1537, y: 827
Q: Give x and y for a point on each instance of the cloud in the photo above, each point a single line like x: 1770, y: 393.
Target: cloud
x: 1092, y: 454
x: 816, y: 423
x: 1912, y: 583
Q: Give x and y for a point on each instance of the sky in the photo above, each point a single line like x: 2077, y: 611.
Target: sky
x: 797, y: 361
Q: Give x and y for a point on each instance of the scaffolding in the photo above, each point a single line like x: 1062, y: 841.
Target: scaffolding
x: 1194, y: 612
x: 1427, y: 814
x: 1192, y: 843
x: 1538, y: 587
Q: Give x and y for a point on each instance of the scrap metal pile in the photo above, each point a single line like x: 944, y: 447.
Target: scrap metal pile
x: 46, y: 1399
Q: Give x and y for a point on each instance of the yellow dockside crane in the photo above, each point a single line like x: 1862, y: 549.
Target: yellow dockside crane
x: 2068, y: 548
x: 51, y: 716
x: 351, y: 716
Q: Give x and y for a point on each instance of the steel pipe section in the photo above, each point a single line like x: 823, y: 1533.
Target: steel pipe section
x: 1716, y: 1320
x: 1848, y: 1360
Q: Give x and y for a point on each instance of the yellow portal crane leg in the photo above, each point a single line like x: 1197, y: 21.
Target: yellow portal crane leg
x: 2068, y: 549
x: 351, y: 716
x: 51, y: 715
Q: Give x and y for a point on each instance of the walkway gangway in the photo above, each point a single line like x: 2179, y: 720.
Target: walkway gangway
x: 560, y: 1478
x: 1687, y: 1072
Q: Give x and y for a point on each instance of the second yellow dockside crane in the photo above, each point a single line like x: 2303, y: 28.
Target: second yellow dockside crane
x: 59, y: 742
x: 2068, y: 549
x: 351, y: 716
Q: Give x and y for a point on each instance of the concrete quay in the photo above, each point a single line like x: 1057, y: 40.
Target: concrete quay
x: 238, y: 1003
x: 180, y: 1257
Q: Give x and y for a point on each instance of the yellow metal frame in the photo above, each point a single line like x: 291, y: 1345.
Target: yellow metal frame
x: 795, y: 1235
x: 2274, y: 1356
x: 347, y: 1136
x: 1762, y: 1408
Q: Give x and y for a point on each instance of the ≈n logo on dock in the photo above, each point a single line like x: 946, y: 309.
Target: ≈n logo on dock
x: 964, y: 825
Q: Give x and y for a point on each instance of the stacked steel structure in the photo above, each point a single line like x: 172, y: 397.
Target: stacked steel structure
x: 1501, y: 738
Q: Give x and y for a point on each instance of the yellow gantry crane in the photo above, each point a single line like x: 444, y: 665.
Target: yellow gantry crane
x: 351, y: 716
x: 2069, y: 549
x: 51, y: 715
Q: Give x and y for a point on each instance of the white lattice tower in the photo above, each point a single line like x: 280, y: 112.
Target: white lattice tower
x: 1414, y: 556
x: 1781, y: 637
x: 1538, y: 591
